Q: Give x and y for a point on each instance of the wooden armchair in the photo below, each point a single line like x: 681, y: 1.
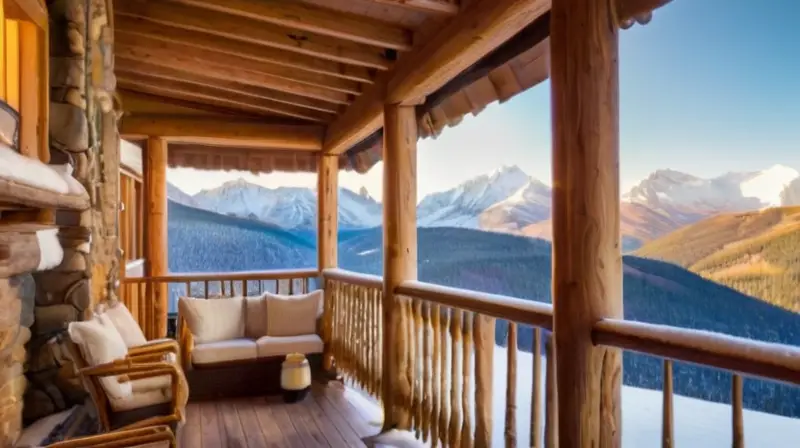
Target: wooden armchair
x: 142, y: 386
x: 152, y: 437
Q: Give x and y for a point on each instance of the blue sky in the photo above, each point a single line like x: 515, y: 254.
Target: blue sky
x: 709, y: 86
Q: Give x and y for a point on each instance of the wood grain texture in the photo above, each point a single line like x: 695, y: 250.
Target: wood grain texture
x: 156, y: 217
x: 400, y: 254
x: 587, y: 263
x: 483, y: 331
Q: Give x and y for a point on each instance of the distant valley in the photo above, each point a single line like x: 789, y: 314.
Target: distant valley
x: 508, y: 200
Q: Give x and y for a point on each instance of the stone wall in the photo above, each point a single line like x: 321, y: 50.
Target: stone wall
x: 14, y: 333
x: 83, y: 133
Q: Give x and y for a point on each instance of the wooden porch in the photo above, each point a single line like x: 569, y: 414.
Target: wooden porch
x: 330, y: 417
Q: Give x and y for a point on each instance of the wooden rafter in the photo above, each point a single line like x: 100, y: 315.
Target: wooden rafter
x: 477, y: 30
x: 296, y: 15
x: 214, y: 131
x: 226, y: 60
x: 254, y: 31
x: 191, y: 64
x: 429, y: 6
x: 137, y: 102
x: 244, y: 50
x: 183, y: 90
x: 146, y: 69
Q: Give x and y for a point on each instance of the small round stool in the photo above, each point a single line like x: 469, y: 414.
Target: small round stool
x: 295, y: 378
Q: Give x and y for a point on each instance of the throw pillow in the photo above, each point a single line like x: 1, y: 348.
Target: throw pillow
x: 293, y: 315
x: 101, y: 343
x: 126, y: 325
x: 213, y: 320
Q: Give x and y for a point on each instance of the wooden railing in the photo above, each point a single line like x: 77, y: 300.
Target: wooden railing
x: 353, y: 327
x: 742, y: 356
x: 139, y: 293
x: 448, y: 327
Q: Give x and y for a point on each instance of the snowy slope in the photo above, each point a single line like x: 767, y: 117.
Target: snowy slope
x: 287, y: 207
x: 461, y: 206
x: 528, y: 205
x: 697, y: 423
x: 674, y: 192
x: 176, y: 194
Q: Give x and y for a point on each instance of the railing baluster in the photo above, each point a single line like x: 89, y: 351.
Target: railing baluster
x: 455, y: 378
x: 466, y: 368
x: 437, y: 373
x: 667, y: 431
x: 536, y: 391
x: 511, y: 386
x: 444, y: 408
x: 411, y: 362
x: 291, y: 286
x: 205, y: 288
x: 738, y: 417
x: 551, y: 389
x: 427, y: 375
x: 244, y: 288
x: 483, y: 330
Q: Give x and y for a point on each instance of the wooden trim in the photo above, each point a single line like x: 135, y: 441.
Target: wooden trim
x: 313, y: 19
x: 219, y: 96
x: 477, y: 30
x: 275, y: 274
x: 253, y: 31
x: 156, y: 255
x: 327, y: 212
x: 399, y: 257
x: 34, y: 11
x: 525, y: 312
x: 244, y: 50
x: 233, y: 132
x: 778, y: 362
x: 353, y: 278
x: 428, y: 6
x: 130, y: 158
x: 587, y: 262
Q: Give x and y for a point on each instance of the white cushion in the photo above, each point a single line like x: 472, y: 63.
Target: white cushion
x: 126, y: 325
x: 138, y: 400
x: 101, y: 343
x: 255, y: 324
x: 213, y: 320
x: 293, y: 315
x: 269, y: 346
x: 223, y: 351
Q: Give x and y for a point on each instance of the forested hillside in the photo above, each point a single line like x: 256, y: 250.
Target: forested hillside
x: 755, y: 253
x: 655, y: 291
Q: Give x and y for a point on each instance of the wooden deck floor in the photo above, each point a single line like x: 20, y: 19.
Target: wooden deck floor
x: 327, y: 418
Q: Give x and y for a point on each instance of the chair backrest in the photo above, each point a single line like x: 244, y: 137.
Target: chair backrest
x: 91, y: 384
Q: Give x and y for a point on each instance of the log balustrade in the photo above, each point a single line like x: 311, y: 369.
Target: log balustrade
x: 140, y: 293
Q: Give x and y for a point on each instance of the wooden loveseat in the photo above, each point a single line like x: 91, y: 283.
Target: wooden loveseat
x: 234, y: 346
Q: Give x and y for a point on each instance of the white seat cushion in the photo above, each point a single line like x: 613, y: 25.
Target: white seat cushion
x: 269, y: 346
x: 138, y: 400
x: 126, y: 325
x: 213, y: 320
x: 223, y: 351
x: 293, y: 315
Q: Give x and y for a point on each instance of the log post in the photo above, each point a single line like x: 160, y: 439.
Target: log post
x: 327, y: 238
x: 399, y: 256
x: 587, y: 263
x: 155, y: 166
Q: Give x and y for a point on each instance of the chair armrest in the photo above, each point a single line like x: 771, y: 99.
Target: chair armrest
x: 121, y: 438
x: 157, y: 346
x: 186, y: 343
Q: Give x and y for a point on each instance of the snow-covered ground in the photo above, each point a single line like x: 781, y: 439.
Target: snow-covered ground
x: 698, y: 423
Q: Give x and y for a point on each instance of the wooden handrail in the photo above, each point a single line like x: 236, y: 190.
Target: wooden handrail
x: 502, y: 307
x: 353, y: 278
x: 276, y: 274
x: 763, y: 359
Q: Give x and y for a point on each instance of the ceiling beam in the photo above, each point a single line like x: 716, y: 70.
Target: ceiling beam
x: 123, y: 39
x: 476, y: 31
x: 195, y: 64
x: 214, y: 131
x: 254, y: 31
x: 182, y: 90
x: 134, y: 102
x: 145, y: 69
x: 441, y: 7
x: 245, y: 50
x: 296, y: 15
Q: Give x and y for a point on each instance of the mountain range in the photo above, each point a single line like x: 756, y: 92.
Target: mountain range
x: 508, y: 200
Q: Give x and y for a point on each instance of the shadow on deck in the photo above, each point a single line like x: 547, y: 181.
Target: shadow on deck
x: 330, y: 416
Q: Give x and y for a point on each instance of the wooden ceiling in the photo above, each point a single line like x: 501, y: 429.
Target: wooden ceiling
x: 305, y: 60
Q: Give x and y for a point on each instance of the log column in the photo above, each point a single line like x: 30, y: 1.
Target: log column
x: 587, y: 263
x: 155, y: 167
x: 327, y: 237
x: 399, y: 256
